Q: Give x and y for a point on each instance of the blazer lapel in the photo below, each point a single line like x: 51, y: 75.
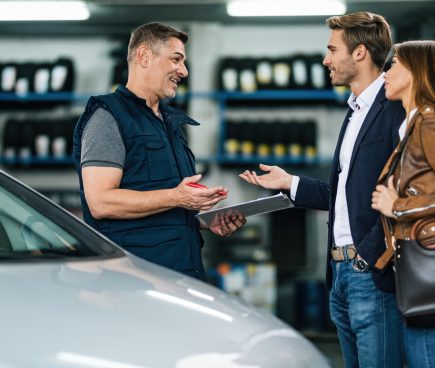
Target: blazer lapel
x: 369, y: 119
x: 336, y: 158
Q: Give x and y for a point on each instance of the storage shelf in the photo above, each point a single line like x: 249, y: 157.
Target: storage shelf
x: 303, y: 94
x: 296, y: 94
x: 40, y: 161
x: 268, y: 160
x: 221, y: 97
x: 271, y: 160
x: 221, y: 159
x: 52, y: 96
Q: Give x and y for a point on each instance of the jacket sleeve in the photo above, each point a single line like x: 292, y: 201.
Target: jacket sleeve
x: 414, y: 208
x: 312, y: 194
x: 419, y: 206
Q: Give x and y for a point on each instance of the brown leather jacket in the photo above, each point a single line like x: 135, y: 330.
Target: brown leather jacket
x: 414, y: 176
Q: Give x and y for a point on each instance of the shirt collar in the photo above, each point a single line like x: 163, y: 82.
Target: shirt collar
x: 126, y: 92
x: 170, y: 114
x: 367, y: 97
x: 412, y: 113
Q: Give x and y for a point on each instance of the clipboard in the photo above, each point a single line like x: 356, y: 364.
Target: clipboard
x: 259, y: 206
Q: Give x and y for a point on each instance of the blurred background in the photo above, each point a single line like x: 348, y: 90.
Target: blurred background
x: 256, y: 85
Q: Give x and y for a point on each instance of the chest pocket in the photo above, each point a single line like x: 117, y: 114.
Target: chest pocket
x: 159, y: 160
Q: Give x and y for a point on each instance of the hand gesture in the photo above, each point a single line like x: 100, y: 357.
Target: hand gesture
x: 276, y: 178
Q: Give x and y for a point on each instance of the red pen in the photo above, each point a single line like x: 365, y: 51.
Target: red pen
x: 197, y: 185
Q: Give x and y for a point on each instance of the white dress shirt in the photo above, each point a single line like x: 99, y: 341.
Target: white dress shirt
x: 360, y: 105
x: 402, y: 129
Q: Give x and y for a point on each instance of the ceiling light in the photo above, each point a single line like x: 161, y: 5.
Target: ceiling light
x: 270, y: 8
x: 43, y: 10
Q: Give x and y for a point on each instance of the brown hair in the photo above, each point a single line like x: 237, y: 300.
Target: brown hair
x: 419, y: 58
x: 368, y: 29
x: 152, y: 34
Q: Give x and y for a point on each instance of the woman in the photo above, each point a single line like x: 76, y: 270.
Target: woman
x: 410, y: 191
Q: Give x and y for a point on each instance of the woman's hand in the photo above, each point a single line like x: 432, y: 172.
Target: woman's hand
x: 383, y: 198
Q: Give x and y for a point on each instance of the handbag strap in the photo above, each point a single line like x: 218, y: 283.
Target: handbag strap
x: 390, y: 242
x: 399, y: 152
x: 387, y: 224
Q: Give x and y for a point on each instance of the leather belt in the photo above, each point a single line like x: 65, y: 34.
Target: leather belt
x: 345, y: 253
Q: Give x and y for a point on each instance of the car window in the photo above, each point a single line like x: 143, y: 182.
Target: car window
x: 33, y: 228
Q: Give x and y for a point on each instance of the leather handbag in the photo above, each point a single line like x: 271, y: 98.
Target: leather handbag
x: 415, y: 274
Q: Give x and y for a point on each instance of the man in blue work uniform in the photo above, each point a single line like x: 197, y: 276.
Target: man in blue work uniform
x: 134, y: 163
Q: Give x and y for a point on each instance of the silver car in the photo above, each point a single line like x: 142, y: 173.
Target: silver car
x: 72, y: 298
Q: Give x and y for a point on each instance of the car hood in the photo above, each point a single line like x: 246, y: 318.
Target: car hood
x: 129, y: 313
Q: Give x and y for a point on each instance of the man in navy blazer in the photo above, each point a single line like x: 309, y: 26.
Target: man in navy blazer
x: 362, y: 300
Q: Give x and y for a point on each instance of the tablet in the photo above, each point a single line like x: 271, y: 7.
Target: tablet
x: 259, y: 206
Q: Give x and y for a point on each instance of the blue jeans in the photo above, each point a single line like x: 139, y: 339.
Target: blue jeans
x: 369, y: 326
x: 419, y: 347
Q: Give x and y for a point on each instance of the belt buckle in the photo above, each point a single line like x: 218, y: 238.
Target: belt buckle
x: 337, y: 253
x: 353, y: 249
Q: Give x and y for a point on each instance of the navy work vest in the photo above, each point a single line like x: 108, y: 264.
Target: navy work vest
x: 157, y: 157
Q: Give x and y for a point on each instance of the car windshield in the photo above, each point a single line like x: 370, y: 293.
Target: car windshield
x: 33, y: 228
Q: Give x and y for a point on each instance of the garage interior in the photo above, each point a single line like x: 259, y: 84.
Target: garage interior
x: 290, y: 116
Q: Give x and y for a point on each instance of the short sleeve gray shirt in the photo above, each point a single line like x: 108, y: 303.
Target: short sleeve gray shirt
x: 102, y: 143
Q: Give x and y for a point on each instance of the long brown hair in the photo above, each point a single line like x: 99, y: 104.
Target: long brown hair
x: 419, y: 58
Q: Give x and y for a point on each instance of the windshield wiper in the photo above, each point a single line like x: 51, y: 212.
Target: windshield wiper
x: 14, y: 255
x: 58, y: 252
x: 38, y: 254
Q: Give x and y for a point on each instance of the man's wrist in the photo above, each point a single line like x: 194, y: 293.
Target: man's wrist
x: 174, y: 198
x: 360, y: 264
x: 290, y: 180
x: 294, y: 186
